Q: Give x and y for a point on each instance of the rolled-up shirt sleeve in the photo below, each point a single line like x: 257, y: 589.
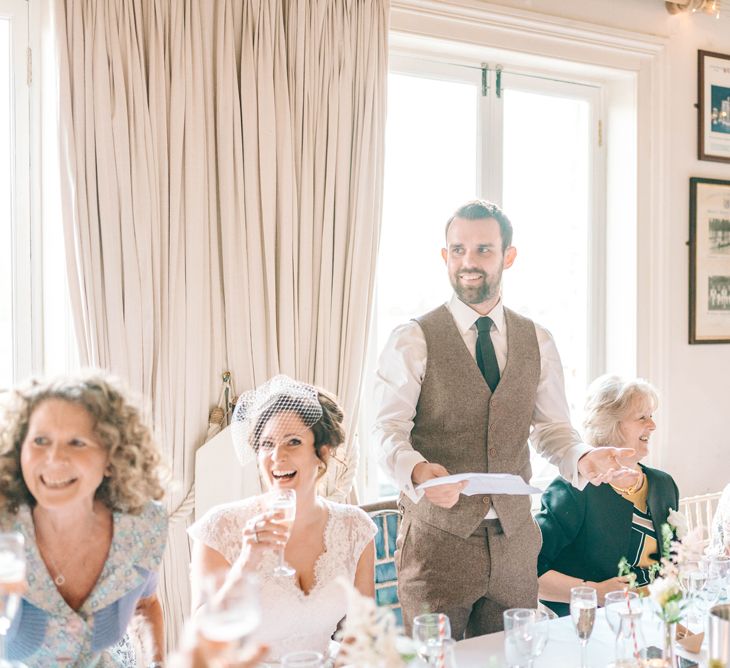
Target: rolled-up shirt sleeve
x: 397, y: 387
x: 552, y: 434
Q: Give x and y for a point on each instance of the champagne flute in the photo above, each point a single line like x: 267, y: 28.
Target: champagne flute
x: 429, y: 632
x: 284, y: 503
x: 583, y: 603
x: 12, y: 577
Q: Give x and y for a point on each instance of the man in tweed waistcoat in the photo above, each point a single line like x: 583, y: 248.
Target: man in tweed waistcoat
x: 460, y: 389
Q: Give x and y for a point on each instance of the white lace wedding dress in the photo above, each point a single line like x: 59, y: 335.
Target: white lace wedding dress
x: 292, y: 620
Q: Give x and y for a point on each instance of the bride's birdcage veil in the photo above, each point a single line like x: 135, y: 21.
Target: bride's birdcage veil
x: 295, y: 404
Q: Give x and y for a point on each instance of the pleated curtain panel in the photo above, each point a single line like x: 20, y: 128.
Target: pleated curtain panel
x: 222, y: 171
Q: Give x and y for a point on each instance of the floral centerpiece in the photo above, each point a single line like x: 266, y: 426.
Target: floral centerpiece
x: 370, y: 635
x: 679, y: 547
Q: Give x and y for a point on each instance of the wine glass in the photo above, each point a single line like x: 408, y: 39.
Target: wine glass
x: 708, y: 594
x: 302, y: 660
x: 720, y: 567
x: 12, y: 577
x: 429, y: 632
x: 583, y: 603
x: 284, y: 502
x: 693, y: 580
x: 231, y: 609
x: 617, y: 602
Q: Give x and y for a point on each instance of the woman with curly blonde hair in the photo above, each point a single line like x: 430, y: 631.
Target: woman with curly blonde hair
x: 80, y: 479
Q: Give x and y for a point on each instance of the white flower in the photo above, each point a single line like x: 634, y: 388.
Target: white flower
x: 369, y: 635
x: 679, y: 523
x: 663, y: 590
x: 690, y: 548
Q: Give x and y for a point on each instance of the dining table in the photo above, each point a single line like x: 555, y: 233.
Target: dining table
x: 563, y: 649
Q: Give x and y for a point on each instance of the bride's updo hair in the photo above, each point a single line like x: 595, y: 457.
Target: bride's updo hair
x: 310, y: 407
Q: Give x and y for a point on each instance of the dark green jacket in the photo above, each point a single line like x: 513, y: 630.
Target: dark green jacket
x: 586, y: 532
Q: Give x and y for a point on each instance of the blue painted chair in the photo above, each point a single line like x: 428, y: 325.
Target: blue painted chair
x: 386, y: 516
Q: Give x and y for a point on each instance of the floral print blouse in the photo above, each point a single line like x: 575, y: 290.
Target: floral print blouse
x: 47, y: 632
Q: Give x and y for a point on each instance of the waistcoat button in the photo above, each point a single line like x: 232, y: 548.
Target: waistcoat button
x: 492, y: 451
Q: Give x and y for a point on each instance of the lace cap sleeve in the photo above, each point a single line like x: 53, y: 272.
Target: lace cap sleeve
x: 362, y: 530
x: 221, y: 527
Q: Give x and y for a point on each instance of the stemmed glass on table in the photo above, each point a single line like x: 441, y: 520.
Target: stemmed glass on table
x: 693, y: 577
x: 231, y: 610
x: 583, y: 604
x: 720, y: 568
x: 303, y: 659
x: 525, y: 635
x: 429, y: 632
x: 284, y: 502
x: 12, y: 576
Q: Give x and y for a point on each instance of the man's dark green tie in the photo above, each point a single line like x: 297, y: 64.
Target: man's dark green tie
x: 486, y: 357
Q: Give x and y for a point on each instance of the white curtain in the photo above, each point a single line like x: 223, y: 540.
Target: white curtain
x: 222, y: 195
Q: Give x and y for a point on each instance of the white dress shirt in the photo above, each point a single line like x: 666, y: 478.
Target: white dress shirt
x: 398, y: 380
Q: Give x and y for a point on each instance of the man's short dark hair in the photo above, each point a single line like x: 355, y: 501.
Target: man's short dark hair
x: 478, y: 209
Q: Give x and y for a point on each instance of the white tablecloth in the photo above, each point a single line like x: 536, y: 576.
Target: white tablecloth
x: 562, y: 650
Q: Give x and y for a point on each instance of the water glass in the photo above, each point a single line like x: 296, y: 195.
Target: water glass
x: 617, y: 602
x: 231, y: 609
x: 12, y: 577
x: 541, y: 634
x: 429, y: 632
x: 302, y: 660
x: 630, y: 643
x: 583, y: 604
x: 284, y: 502
x: 525, y: 635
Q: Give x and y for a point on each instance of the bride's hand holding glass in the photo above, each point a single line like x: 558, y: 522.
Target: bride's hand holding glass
x: 264, y: 533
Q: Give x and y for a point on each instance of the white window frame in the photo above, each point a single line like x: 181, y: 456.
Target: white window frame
x: 632, y: 68
x: 25, y: 340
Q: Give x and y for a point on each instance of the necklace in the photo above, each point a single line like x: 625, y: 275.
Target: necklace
x: 60, y: 579
x: 633, y: 488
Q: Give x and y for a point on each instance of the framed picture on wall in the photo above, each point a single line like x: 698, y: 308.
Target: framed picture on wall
x: 709, y: 261
x: 713, y: 97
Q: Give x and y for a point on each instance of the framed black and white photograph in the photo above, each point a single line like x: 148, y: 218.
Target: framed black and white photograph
x: 709, y: 261
x: 713, y: 97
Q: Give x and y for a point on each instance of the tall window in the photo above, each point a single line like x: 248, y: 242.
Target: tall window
x: 36, y: 334
x: 529, y: 144
x: 15, y: 250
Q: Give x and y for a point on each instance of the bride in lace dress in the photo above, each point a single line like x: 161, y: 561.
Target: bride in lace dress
x: 292, y: 429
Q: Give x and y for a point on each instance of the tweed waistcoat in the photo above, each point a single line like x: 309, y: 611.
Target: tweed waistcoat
x: 463, y: 426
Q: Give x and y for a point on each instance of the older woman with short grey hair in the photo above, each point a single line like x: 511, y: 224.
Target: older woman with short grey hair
x: 587, y: 532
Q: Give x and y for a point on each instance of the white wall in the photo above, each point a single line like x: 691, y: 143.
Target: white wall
x: 696, y: 391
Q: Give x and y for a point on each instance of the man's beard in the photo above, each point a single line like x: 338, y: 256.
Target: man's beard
x: 476, y: 294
